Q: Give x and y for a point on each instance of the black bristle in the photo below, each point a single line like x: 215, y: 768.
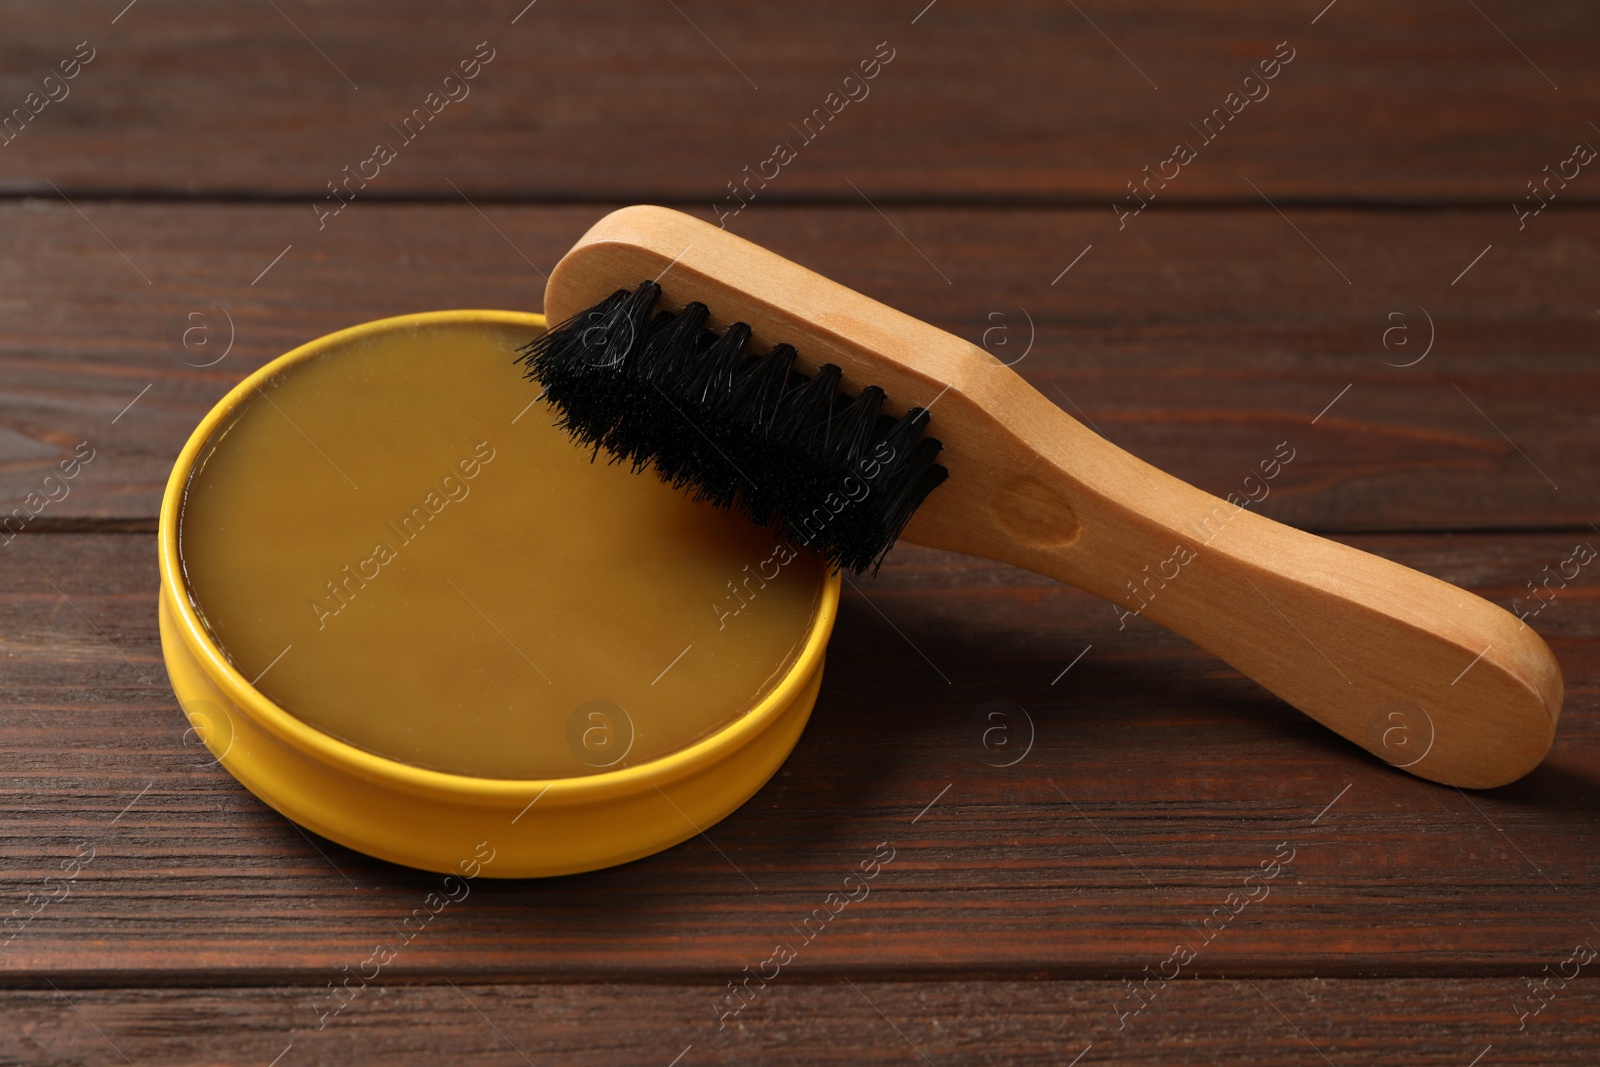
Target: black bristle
x: 736, y: 429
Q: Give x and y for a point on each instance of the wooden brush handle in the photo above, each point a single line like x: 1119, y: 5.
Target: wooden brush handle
x: 1422, y: 674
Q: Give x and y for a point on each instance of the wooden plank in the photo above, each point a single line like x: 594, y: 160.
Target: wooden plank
x: 803, y: 1020
x: 1157, y: 781
x: 1197, y: 340
x: 992, y: 101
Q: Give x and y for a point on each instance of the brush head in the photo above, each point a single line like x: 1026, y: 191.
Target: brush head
x: 659, y: 389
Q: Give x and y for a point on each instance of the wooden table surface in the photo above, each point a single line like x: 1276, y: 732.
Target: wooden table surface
x: 1354, y: 264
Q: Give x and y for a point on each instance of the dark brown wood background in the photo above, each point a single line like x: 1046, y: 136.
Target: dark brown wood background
x: 1282, y: 288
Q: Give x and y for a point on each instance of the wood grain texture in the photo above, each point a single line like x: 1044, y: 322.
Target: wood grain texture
x: 1197, y: 341
x: 972, y: 188
x: 806, y: 1020
x: 1157, y: 781
x: 1428, y: 101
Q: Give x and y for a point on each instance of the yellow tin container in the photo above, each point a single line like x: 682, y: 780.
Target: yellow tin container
x: 450, y: 822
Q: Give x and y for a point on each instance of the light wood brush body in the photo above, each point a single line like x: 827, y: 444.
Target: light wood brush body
x: 1420, y: 673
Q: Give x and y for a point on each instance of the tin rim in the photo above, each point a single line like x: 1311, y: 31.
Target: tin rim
x: 382, y: 769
